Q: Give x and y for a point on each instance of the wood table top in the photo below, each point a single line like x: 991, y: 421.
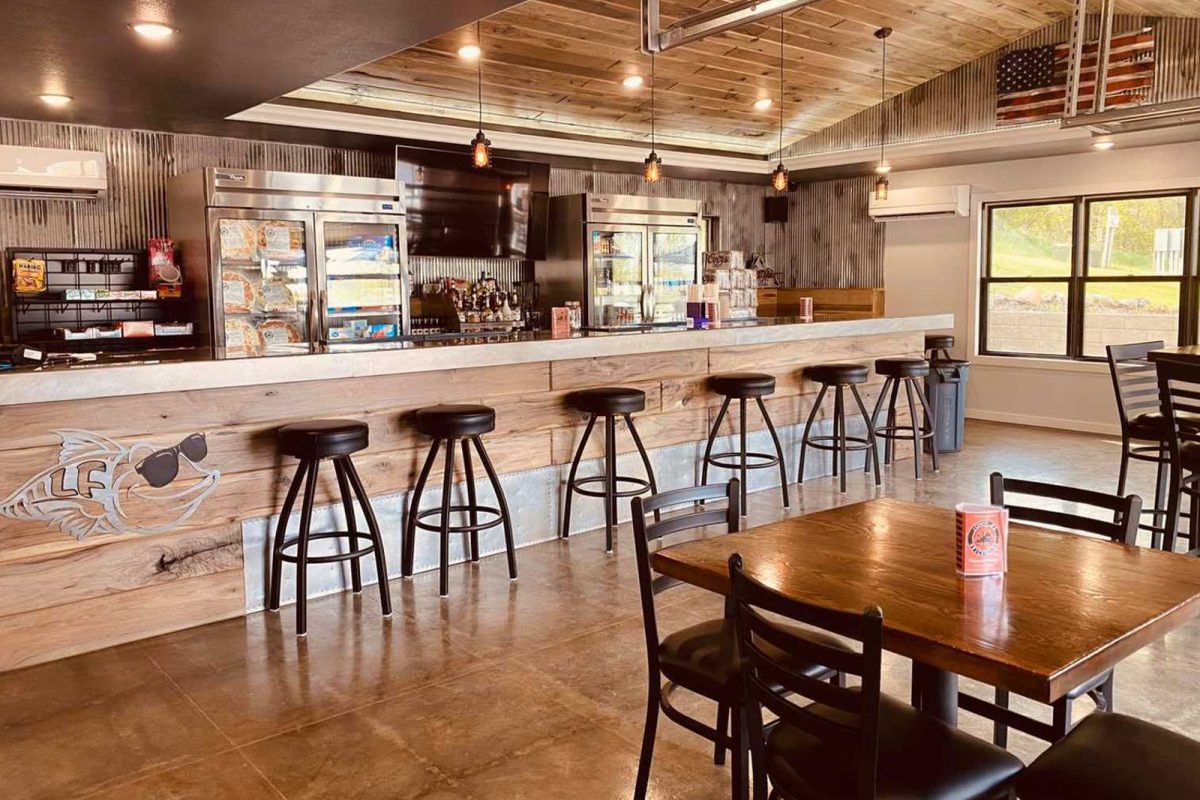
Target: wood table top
x: 1189, y: 353
x: 1069, y: 608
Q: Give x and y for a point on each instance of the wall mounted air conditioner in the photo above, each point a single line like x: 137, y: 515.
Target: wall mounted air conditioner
x: 926, y: 202
x: 43, y: 172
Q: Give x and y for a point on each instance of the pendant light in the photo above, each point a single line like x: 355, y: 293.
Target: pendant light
x: 779, y: 178
x: 883, y: 167
x: 481, y: 146
x: 652, y: 166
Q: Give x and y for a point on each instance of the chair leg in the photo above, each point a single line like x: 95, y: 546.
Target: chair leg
x: 839, y: 412
x: 712, y: 435
x: 872, y: 453
x: 447, y: 487
x: 410, y: 527
x: 610, y: 480
x: 999, y: 729
x: 742, y: 449
x: 1062, y: 719
x: 310, y: 493
x: 915, y: 420
x: 783, y: 481
x: 502, y: 503
x: 1161, y: 485
x: 285, y: 516
x: 351, y: 523
x: 641, y: 448
x: 754, y: 734
x: 648, y: 734
x: 473, y: 514
x: 385, y: 592
x: 930, y: 417
x: 1174, y: 496
x: 722, y: 728
x: 1123, y: 473
x: 587, y: 432
x: 812, y: 416
x: 741, y: 752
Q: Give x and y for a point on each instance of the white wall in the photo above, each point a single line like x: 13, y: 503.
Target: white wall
x: 932, y: 266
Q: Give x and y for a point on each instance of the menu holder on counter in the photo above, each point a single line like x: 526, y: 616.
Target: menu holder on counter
x: 982, y: 540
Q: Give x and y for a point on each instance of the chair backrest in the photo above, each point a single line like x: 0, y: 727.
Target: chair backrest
x: 1122, y: 527
x: 851, y: 723
x: 650, y: 584
x: 1133, y: 379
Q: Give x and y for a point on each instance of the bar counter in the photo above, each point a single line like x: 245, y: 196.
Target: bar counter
x: 92, y: 554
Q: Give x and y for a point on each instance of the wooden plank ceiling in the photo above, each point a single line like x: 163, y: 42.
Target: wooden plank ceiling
x: 556, y: 66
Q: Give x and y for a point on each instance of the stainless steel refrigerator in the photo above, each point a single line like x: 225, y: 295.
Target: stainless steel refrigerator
x: 627, y: 259
x: 278, y: 263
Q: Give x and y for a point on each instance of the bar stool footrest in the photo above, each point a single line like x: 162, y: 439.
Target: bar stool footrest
x: 853, y: 443
x: 901, y: 433
x: 479, y: 526
x: 765, y: 461
x: 332, y: 557
x: 641, y: 486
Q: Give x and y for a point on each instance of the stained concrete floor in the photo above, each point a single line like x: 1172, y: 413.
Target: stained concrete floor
x: 533, y: 689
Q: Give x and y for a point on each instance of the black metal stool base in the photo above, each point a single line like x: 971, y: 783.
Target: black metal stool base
x: 740, y: 459
x: 920, y: 427
x: 610, y: 479
x: 471, y: 508
x: 350, y: 487
x: 839, y: 443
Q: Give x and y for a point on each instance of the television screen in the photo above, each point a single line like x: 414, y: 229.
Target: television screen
x: 458, y: 211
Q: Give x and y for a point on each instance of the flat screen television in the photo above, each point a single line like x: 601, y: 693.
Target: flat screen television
x: 458, y: 211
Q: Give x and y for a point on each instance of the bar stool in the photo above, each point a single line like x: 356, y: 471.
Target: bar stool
x: 744, y: 386
x: 937, y: 346
x: 447, y: 425
x: 312, y: 442
x: 839, y: 377
x: 906, y: 371
x: 609, y: 402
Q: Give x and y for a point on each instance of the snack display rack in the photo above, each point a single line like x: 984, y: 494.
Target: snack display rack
x: 34, y: 319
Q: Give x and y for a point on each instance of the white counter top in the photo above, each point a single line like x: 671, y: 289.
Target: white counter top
x: 122, y: 380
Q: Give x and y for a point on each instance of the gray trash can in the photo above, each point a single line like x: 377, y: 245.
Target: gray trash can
x: 946, y: 388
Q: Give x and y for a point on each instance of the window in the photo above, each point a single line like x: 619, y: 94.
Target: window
x: 1064, y: 278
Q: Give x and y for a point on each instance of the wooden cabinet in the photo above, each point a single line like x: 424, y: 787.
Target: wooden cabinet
x: 845, y: 303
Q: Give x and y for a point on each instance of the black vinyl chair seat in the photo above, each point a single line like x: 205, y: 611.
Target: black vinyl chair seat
x: 743, y: 384
x: 323, y: 438
x: 703, y: 658
x: 456, y: 420
x: 834, y: 374
x: 902, y: 367
x: 608, y: 400
x: 938, y: 341
x: 919, y: 757
x: 1114, y: 757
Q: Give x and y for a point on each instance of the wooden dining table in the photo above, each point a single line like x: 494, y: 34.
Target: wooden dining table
x: 1188, y: 353
x: 1069, y: 608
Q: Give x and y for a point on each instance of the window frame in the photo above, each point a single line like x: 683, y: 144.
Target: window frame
x: 1077, y: 279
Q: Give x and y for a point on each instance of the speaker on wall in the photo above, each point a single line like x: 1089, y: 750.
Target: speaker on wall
x: 775, y: 209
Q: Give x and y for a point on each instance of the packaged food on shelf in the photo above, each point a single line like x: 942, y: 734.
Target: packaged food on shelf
x: 172, y: 328
x: 169, y: 291
x: 277, y: 297
x: 162, y: 262
x: 29, y: 275
x: 341, y: 332
x: 279, y: 331
x: 237, y: 292
x: 79, y: 294
x: 242, y: 338
x: 381, y: 331
x: 238, y: 237
x: 147, y: 294
x: 75, y: 334
x: 109, y: 332
x: 280, y: 241
x: 137, y: 328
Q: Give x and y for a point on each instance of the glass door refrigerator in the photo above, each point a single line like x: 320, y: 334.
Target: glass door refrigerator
x: 627, y: 259
x: 279, y: 263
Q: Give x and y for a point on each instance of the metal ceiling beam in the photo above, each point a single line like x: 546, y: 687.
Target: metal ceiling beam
x: 656, y: 39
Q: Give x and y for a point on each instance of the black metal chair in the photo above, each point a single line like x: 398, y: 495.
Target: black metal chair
x: 312, y: 443
x: 839, y: 377
x: 448, y: 425
x: 848, y: 742
x: 1179, y: 392
x: 1121, y: 528
x: 744, y: 386
x: 911, y: 373
x: 701, y: 658
x: 608, y: 402
x: 937, y: 346
x: 1144, y: 435
x: 1114, y: 757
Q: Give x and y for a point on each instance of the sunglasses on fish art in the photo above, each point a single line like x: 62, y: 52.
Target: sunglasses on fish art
x: 162, y: 466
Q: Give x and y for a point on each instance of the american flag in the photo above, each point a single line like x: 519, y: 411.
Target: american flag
x: 1031, y: 85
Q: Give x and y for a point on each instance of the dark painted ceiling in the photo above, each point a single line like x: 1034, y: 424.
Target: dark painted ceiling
x: 229, y: 55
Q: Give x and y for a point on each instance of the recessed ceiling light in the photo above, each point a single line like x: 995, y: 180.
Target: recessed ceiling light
x: 56, y: 100
x: 1104, y: 144
x: 763, y: 103
x: 469, y: 52
x: 633, y: 81
x: 153, y: 30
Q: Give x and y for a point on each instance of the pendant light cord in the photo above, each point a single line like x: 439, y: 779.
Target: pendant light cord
x: 479, y: 69
x: 882, y: 97
x: 652, y: 101
x: 781, y: 86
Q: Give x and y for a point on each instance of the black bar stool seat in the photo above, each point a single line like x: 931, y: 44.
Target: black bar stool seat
x: 743, y: 386
x: 448, y: 425
x: 906, y: 372
x: 608, y: 402
x: 839, y: 377
x: 312, y: 442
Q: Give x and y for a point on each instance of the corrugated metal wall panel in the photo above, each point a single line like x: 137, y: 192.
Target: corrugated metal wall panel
x: 427, y: 269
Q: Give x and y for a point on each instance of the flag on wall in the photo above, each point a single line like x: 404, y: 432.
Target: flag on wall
x: 1031, y: 85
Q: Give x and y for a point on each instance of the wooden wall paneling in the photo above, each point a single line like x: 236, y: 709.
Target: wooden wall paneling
x: 761, y: 357
x: 546, y: 411
x: 60, y: 631
x: 656, y: 430
x: 618, y: 370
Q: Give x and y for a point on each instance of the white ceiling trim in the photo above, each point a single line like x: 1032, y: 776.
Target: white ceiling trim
x: 379, y: 125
